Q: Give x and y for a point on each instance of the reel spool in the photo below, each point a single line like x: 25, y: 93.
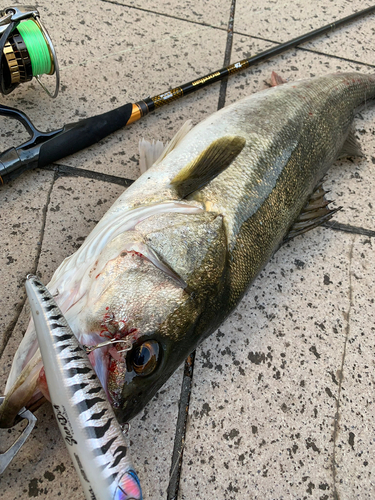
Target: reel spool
x: 26, y: 50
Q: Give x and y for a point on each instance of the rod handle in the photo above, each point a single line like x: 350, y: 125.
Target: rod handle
x: 80, y: 135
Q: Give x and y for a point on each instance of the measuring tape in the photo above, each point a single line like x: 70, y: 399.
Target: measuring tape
x: 26, y: 50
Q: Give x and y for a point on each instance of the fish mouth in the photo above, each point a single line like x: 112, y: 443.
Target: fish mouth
x: 30, y: 391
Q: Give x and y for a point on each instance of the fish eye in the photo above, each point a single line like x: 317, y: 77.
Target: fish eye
x: 145, y: 357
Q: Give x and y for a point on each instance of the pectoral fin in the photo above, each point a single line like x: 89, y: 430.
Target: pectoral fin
x: 314, y: 213
x: 210, y: 163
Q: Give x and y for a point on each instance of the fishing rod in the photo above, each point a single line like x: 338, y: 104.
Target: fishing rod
x: 43, y: 148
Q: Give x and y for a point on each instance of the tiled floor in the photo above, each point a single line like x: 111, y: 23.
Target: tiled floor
x: 281, y: 404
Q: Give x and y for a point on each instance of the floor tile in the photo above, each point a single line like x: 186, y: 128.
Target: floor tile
x: 266, y: 385
x: 278, y: 22
x: 107, y: 59
x: 76, y: 206
x: 282, y: 402
x: 21, y: 225
x: 354, y: 437
x: 213, y: 14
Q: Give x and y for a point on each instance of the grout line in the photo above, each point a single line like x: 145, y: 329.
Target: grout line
x: 9, y: 330
x: 163, y: 14
x: 336, y: 423
x: 228, y: 53
x: 44, y: 223
x: 179, y: 441
x: 255, y: 37
x: 353, y: 61
x: 66, y: 170
x: 183, y: 410
x: 303, y: 49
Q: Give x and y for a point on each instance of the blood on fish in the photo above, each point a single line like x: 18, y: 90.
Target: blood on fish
x: 137, y: 253
x: 114, y: 328
x: 112, y: 365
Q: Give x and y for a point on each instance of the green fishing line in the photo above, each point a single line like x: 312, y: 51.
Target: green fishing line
x: 37, y: 47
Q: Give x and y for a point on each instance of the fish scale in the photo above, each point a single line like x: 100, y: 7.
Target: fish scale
x: 86, y: 420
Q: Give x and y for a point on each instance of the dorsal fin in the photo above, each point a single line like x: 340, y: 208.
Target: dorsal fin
x: 149, y: 152
x: 314, y: 213
x: 152, y: 153
x: 175, y: 141
x: 210, y: 163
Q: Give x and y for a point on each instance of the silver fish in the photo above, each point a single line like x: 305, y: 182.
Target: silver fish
x: 86, y: 420
x: 177, y: 251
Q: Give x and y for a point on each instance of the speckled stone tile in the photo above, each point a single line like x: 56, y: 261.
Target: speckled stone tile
x: 152, y: 437
x: 273, y: 437
x: 44, y: 469
x: 354, y: 450
x: 74, y: 208
x: 110, y: 55
x: 266, y: 384
x: 283, y: 21
x: 21, y: 223
x: 352, y: 181
x: 213, y: 13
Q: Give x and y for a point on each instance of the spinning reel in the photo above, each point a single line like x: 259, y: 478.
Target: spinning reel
x: 26, y: 50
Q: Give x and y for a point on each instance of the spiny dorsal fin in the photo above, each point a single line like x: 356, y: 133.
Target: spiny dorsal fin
x: 351, y: 146
x: 152, y: 153
x: 149, y: 152
x: 210, y: 163
x: 175, y: 141
x: 314, y: 213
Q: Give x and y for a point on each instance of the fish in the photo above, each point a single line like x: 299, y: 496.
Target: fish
x: 177, y: 251
x: 92, y: 435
